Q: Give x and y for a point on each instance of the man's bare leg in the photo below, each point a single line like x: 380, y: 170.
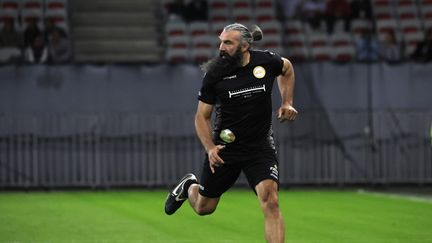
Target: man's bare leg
x: 200, y: 204
x: 274, y: 225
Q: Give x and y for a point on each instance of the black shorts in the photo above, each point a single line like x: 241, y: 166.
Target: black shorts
x: 256, y: 168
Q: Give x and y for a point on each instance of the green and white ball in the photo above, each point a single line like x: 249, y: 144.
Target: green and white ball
x: 227, y: 136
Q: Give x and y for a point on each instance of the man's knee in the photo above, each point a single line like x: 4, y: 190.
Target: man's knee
x: 205, y: 206
x: 270, y: 202
x: 268, y: 196
x: 204, y: 210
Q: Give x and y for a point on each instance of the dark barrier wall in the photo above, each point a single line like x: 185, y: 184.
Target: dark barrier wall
x: 102, y: 126
x: 174, y: 88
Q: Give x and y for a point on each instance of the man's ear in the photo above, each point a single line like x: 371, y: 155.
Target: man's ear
x: 245, y: 47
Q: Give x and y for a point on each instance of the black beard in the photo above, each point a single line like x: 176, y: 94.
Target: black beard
x: 223, y: 65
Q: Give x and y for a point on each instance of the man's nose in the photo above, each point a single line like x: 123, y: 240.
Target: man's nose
x: 221, y: 47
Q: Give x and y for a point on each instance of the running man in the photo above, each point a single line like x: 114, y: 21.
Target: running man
x: 237, y: 85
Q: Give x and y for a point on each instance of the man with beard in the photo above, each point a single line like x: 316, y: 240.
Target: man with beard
x: 238, y: 86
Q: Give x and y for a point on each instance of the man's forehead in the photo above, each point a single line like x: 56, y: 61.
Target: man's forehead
x: 229, y: 35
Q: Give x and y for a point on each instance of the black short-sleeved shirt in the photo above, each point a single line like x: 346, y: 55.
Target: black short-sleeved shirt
x: 243, y: 103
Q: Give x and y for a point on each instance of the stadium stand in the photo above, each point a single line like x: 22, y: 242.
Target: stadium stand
x: 126, y: 31
x: 32, y: 18
x: 116, y: 31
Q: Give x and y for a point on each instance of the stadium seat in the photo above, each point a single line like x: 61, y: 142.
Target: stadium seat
x: 293, y: 26
x: 32, y: 4
x: 264, y: 14
x: 321, y: 53
x: 178, y: 41
x: 297, y: 53
x: 410, y: 26
x: 343, y: 53
x: 200, y: 55
x: 380, y: 3
x: 295, y: 40
x: 318, y: 43
x: 410, y: 41
x: 262, y: 4
x: 383, y: 25
x: 63, y: 25
x: 383, y: 12
x: 56, y: 4
x: 340, y: 39
x: 56, y: 15
x: 219, y: 15
x: 359, y: 26
x: 342, y: 47
x: 176, y: 56
x: 217, y: 27
x: 218, y: 4
x: 242, y: 15
x: 32, y: 14
x: 316, y: 39
x: 173, y: 28
x: 9, y: 14
x: 426, y: 12
x: 405, y: 2
x: 413, y: 38
x: 406, y: 12
x: 424, y: 3
x: 271, y: 27
x: 10, y: 4
x: 339, y: 26
x: 272, y: 43
x: 241, y: 4
x: 204, y: 41
x: 199, y: 28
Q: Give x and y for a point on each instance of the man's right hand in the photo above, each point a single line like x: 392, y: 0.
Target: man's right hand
x: 214, y: 159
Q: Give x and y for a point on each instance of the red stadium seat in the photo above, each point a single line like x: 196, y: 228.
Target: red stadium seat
x: 218, y: 4
x: 317, y: 39
x: 243, y: 15
x: 242, y: 4
x: 219, y: 15
x: 10, y: 4
x: 271, y: 27
x: 173, y: 28
x: 199, y: 28
x: 292, y: 27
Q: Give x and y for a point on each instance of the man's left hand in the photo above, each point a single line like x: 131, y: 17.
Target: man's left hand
x: 286, y: 113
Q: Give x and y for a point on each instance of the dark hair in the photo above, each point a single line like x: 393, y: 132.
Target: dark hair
x: 246, y: 35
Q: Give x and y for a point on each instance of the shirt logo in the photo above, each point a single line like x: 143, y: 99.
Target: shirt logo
x: 259, y: 72
x: 247, y: 92
x: 274, y: 172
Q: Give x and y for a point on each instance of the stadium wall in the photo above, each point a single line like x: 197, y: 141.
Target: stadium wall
x: 113, y: 126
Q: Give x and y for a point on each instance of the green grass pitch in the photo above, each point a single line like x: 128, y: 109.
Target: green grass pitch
x: 137, y: 216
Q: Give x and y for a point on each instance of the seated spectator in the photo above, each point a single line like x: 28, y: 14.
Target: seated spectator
x: 176, y: 9
x: 37, y: 52
x: 289, y: 9
x: 391, y: 49
x: 31, y: 32
x: 361, y: 9
x: 196, y: 10
x: 367, y: 47
x: 58, y: 47
x: 423, y: 50
x: 49, y: 25
x: 311, y: 11
x: 10, y: 43
x: 335, y: 10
